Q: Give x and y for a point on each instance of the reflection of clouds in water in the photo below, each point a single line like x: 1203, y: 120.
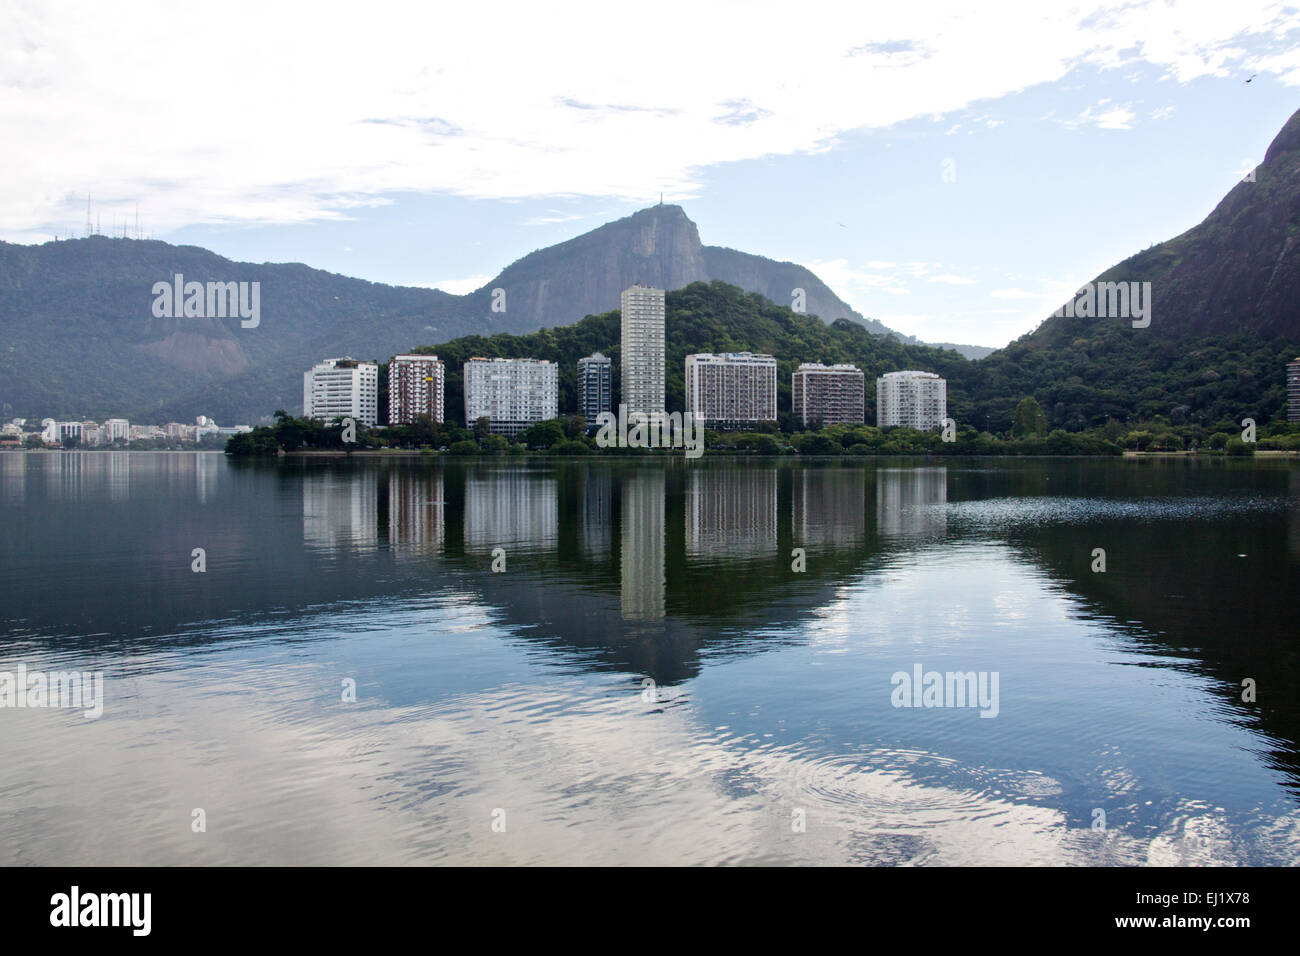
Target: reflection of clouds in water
x: 1011, y: 606
x: 586, y: 775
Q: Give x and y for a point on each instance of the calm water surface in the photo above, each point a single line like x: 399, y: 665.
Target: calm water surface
x: 649, y: 680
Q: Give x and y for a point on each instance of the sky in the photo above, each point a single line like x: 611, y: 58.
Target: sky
x: 953, y: 170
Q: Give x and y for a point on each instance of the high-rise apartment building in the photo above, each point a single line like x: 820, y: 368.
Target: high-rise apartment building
x: 415, y: 387
x: 912, y: 399
x: 341, y: 388
x: 1293, y: 390
x: 731, y: 390
x: 511, y: 394
x: 642, y: 343
x: 828, y: 394
x: 595, y: 386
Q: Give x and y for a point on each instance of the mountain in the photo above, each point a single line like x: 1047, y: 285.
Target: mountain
x: 658, y: 246
x: 1239, y: 269
x: 78, y: 337
x: 1224, y: 322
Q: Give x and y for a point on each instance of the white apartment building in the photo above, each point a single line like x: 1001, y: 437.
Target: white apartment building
x: 117, y: 428
x: 416, y: 386
x: 643, y: 350
x: 53, y: 433
x: 341, y: 388
x: 912, y: 399
x: 511, y: 394
x: 732, y: 389
x: 828, y: 394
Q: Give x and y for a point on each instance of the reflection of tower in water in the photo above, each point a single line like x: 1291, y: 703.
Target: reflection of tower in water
x: 906, y: 500
x: 597, y: 513
x: 731, y: 512
x: 641, y: 540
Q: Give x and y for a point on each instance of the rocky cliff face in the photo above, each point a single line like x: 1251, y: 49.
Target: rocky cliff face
x: 659, y: 247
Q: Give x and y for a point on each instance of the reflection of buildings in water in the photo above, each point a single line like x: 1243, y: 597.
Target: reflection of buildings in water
x: 828, y: 505
x: 641, y: 540
x: 66, y: 476
x: 505, y: 509
x: 731, y: 512
x: 13, y: 475
x: 905, y: 498
x: 416, y: 511
x: 1293, y: 513
x: 119, y: 474
x: 205, y: 475
x: 596, y: 527
x: 340, y: 510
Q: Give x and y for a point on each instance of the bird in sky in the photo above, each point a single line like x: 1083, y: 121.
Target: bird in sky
x: 1252, y: 76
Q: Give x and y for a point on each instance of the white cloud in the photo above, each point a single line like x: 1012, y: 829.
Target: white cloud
x: 948, y: 278
x: 554, y: 217
x: 1116, y: 117
x: 1013, y: 294
x: 264, y: 114
x: 458, y: 286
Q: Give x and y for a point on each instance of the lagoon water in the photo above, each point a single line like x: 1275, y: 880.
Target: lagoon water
x: 649, y: 680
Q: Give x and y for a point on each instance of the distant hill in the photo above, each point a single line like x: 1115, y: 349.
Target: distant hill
x: 78, y: 338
